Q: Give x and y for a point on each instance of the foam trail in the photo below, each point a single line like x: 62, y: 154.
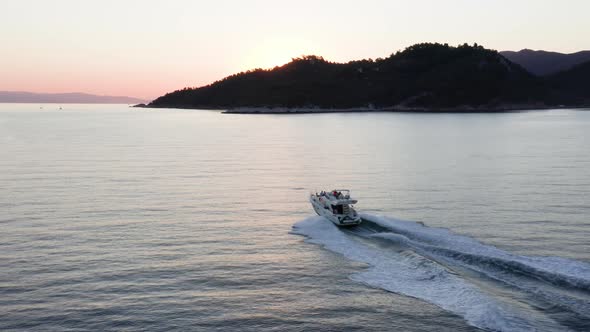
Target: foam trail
x: 554, y: 270
x: 413, y: 275
x: 558, y: 281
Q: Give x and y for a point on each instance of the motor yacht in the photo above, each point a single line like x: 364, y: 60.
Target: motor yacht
x: 336, y: 206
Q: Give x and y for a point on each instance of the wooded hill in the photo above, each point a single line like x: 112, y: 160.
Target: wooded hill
x: 426, y: 76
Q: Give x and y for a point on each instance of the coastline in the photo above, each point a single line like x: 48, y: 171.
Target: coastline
x: 392, y: 109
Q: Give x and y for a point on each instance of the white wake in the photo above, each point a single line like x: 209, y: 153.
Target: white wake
x: 413, y: 275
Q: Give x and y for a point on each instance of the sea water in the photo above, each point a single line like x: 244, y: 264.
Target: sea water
x: 116, y: 218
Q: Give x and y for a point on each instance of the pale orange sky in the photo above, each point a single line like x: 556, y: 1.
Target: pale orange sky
x: 147, y: 48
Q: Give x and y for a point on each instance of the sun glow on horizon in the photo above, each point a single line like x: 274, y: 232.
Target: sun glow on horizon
x: 275, y: 53
x: 120, y: 48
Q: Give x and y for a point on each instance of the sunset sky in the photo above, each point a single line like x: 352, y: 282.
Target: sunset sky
x: 147, y: 48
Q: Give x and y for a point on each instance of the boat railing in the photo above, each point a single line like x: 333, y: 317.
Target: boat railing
x: 343, y: 194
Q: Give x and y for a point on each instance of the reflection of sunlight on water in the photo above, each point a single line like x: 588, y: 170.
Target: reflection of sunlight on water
x: 182, y: 206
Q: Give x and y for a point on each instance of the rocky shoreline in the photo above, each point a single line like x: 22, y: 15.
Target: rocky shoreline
x: 400, y: 109
x: 466, y: 109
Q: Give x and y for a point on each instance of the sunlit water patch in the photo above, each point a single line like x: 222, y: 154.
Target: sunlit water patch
x: 116, y: 218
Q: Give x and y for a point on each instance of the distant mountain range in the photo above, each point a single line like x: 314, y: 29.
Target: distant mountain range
x: 543, y: 63
x: 573, y: 84
x: 65, y: 98
x: 423, y: 77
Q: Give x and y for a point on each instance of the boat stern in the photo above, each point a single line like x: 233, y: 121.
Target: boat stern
x: 349, y: 221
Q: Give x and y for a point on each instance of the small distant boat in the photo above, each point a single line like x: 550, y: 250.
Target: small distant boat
x: 336, y: 206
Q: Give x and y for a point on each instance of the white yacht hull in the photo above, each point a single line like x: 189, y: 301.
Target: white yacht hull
x: 338, y: 220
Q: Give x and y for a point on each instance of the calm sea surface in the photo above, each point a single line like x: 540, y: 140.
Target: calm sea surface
x: 114, y: 218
